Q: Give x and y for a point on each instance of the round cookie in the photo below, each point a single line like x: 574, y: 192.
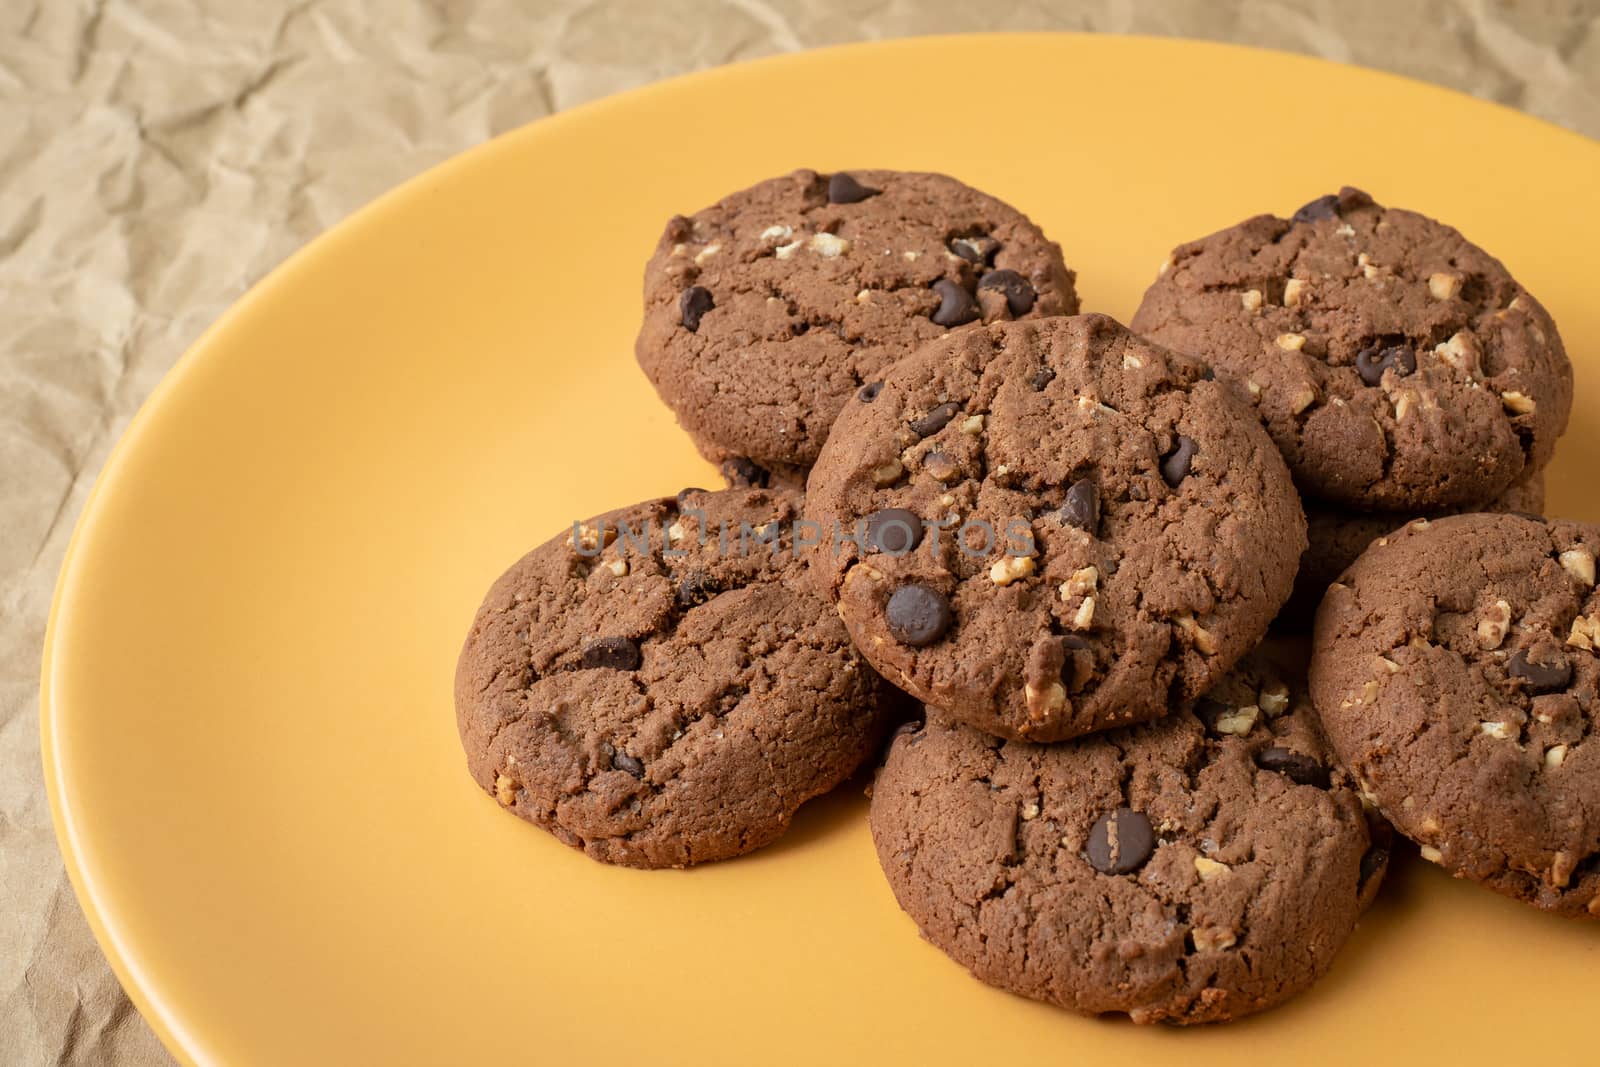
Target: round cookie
x: 1062, y: 527
x: 766, y: 311
x: 1337, y: 537
x: 1456, y: 673
x: 663, y: 693
x: 1190, y: 870
x: 1398, y: 366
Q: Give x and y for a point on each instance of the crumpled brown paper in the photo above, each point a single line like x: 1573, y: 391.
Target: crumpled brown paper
x: 158, y: 157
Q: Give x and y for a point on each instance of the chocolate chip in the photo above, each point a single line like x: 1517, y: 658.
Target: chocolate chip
x: 624, y: 762
x: 1541, y: 677
x: 1041, y: 378
x: 1323, y: 207
x: 956, y: 306
x: 1018, y: 292
x: 1369, y: 364
x: 895, y: 531
x: 1374, y: 861
x: 907, y: 728
x: 743, y: 473
x: 695, y: 588
x: 1082, y: 506
x: 1372, y: 361
x: 1298, y: 768
x: 1175, y: 464
x: 918, y: 616
x: 611, y: 653
x: 685, y: 494
x: 1209, y: 711
x: 843, y: 189
x: 870, y: 391
x: 911, y: 731
x: 693, y: 305
x: 935, y: 420
x: 1074, y: 642
x: 1121, y: 842
x: 978, y: 249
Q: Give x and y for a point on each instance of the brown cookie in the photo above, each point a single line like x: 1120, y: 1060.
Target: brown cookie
x: 1190, y: 870
x: 1336, y: 537
x: 1456, y: 671
x: 766, y: 311
x: 659, y: 687
x: 1398, y: 366
x: 1062, y: 527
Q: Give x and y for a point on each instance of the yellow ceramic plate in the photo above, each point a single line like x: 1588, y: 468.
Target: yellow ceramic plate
x: 247, y: 707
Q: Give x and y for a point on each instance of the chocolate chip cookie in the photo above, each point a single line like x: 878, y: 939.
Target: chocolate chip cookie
x: 766, y: 311
x: 658, y: 687
x: 1049, y: 528
x: 1337, y: 536
x: 1397, y: 365
x: 1190, y: 870
x: 1457, y: 674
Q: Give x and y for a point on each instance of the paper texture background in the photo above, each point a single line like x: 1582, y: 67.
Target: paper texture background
x: 158, y: 157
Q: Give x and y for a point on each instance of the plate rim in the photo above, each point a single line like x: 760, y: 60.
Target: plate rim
x: 163, y: 1018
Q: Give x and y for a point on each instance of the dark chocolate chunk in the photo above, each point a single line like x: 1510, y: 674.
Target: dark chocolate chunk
x: 895, y: 531
x: 907, y: 728
x: 1041, y: 378
x: 1017, y: 290
x: 1121, y: 841
x: 624, y: 762
x: 695, y: 588
x: 918, y: 616
x: 843, y: 189
x: 1175, y: 464
x: 1297, y: 767
x: 935, y: 420
x: 1323, y: 207
x: 1082, y: 506
x: 1369, y: 364
x: 611, y: 653
x: 979, y: 249
x: 956, y: 305
x: 743, y: 473
x: 693, y: 305
x: 1541, y: 677
x: 1372, y: 361
x: 1374, y: 861
x: 870, y: 391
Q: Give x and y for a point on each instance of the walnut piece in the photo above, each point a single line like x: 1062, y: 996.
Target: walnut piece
x: 1494, y: 624
x: 1009, y: 569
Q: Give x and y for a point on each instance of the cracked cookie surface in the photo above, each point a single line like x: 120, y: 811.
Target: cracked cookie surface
x: 1336, y: 537
x: 767, y: 310
x: 668, y: 700
x: 1397, y: 365
x: 1099, y: 532
x: 1190, y: 870
x: 1456, y: 673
